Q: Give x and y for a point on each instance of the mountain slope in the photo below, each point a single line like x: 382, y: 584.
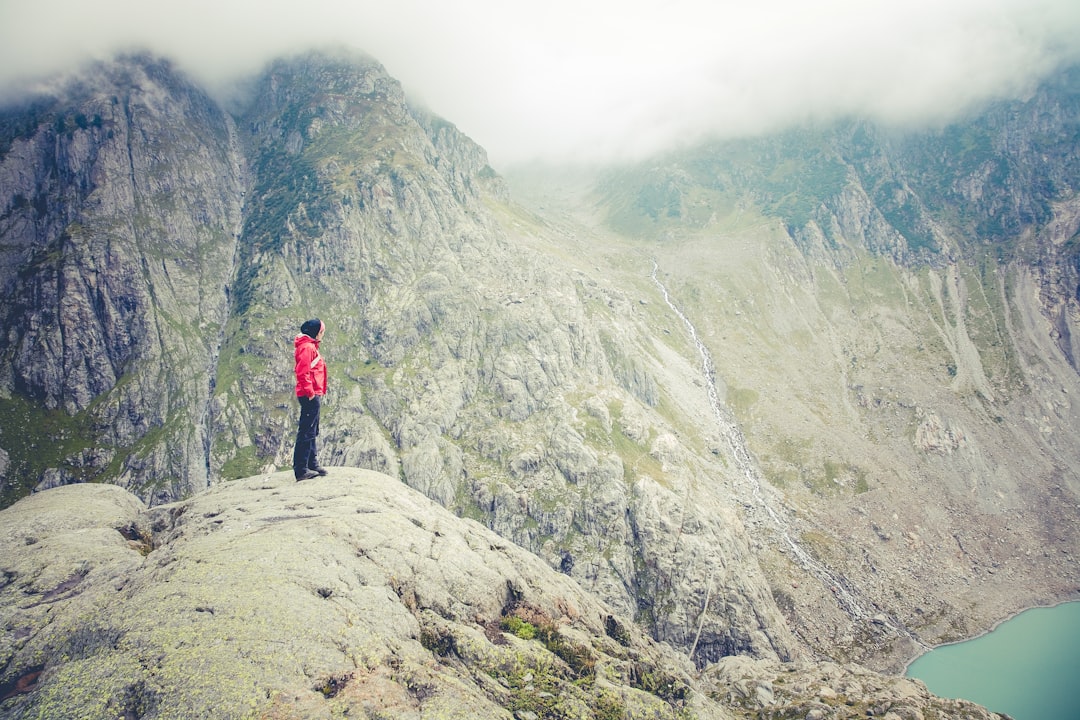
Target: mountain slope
x: 890, y: 320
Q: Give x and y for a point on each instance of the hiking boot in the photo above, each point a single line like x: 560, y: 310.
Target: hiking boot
x: 308, y: 474
x: 318, y: 469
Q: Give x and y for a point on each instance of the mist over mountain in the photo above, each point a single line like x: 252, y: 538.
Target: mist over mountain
x: 808, y: 395
x: 599, y: 82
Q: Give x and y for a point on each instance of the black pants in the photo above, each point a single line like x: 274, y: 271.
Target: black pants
x: 307, y: 431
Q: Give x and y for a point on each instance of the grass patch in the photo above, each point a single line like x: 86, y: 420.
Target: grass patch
x: 741, y: 400
x: 244, y: 463
x: 636, y: 458
x: 516, y: 626
x: 36, y: 439
x: 531, y: 623
x: 840, y: 476
x: 817, y: 543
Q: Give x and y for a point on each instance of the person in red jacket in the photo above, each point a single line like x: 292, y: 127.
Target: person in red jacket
x: 310, y: 388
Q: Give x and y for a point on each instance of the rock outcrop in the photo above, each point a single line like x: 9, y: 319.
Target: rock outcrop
x: 351, y: 595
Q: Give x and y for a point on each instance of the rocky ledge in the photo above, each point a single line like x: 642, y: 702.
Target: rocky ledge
x: 347, y: 596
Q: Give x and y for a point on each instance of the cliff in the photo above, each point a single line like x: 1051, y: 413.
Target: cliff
x: 121, y: 209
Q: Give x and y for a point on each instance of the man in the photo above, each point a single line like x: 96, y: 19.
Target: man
x: 310, y: 388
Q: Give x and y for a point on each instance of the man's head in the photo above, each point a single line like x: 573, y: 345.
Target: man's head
x: 312, y: 328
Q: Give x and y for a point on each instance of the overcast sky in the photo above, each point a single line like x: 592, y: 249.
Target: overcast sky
x: 595, y: 79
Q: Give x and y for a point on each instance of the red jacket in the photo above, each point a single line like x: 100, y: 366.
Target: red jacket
x: 310, y: 368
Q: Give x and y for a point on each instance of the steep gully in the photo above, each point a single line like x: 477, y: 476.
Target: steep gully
x: 846, y: 595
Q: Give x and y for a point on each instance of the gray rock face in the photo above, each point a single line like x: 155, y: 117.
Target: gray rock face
x: 458, y: 352
x: 119, y: 214
x: 827, y: 690
x: 350, y: 595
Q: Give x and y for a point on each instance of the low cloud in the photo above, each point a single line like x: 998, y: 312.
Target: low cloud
x: 595, y: 80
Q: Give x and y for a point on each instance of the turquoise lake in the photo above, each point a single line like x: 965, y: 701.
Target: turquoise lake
x: 1029, y: 667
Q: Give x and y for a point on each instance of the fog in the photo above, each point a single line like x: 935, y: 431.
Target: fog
x: 594, y: 80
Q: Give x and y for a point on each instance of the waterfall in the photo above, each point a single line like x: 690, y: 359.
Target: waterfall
x: 750, y: 475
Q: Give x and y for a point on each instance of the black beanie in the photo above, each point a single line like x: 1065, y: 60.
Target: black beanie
x: 311, y: 327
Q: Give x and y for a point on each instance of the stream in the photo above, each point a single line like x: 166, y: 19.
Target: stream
x: 845, y: 595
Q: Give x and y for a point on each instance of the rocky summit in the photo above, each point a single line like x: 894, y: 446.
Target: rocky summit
x: 805, y: 400
x: 346, y: 596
